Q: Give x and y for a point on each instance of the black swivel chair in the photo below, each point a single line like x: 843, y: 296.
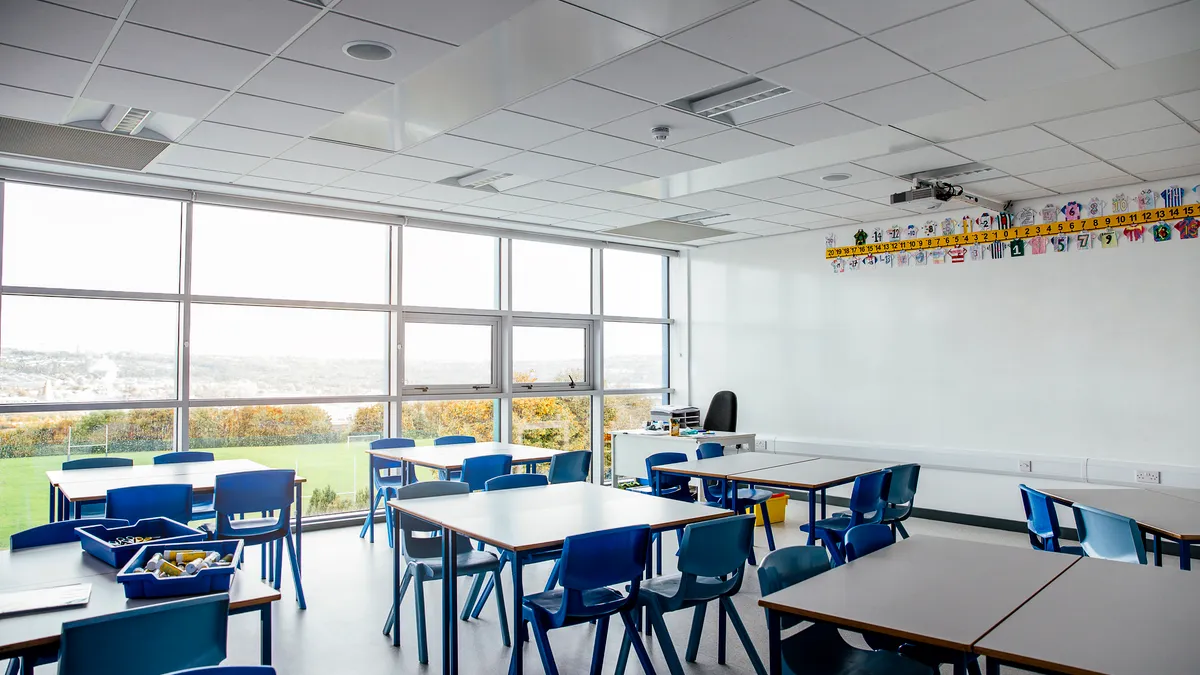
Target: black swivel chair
x: 722, y: 412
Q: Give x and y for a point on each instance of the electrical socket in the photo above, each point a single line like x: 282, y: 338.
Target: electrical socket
x: 1025, y: 466
x: 760, y: 446
x: 1148, y: 477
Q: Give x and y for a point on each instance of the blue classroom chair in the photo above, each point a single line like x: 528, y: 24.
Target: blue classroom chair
x: 512, y: 481
x: 591, y: 564
x: 227, y: 670
x: 1109, y: 536
x: 477, y: 471
x: 669, y: 487
x: 1042, y: 522
x: 187, y: 633
x: 421, y: 544
x: 820, y: 649
x: 93, y: 508
x: 202, y: 506
x: 712, y: 566
x: 451, y: 440
x: 163, y: 500
x: 383, y: 484
x: 746, y: 496
x: 264, y: 491
x: 863, y: 540
x: 570, y: 467
x: 902, y: 492
x: 867, y: 503
x: 62, y: 532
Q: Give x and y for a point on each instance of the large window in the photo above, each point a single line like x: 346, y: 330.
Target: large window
x: 425, y: 421
x: 449, y: 269
x: 634, y: 355
x: 443, y: 355
x: 635, y: 284
x: 551, y: 356
x: 551, y: 278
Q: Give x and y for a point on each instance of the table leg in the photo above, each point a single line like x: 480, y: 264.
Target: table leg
x: 299, y: 522
x: 517, y: 665
x: 1157, y: 551
x: 812, y: 516
x: 396, y: 578
x: 1185, y: 555
x: 774, y: 642
x: 733, y: 497
x: 823, y: 512
x: 371, y: 497
x: 77, y: 510
x: 53, y: 498
x: 265, y: 632
x: 992, y: 665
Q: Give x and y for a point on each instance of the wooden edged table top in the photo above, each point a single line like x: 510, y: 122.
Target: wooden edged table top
x: 727, y: 465
x: 817, y: 474
x: 542, y: 517
x: 1156, y: 512
x: 151, y: 472
x: 931, y: 590
x: 451, y: 457
x: 1105, y: 618
x: 200, y: 480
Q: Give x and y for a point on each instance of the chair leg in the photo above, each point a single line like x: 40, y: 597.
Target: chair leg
x: 835, y: 553
x: 623, y: 655
x: 487, y: 591
x: 664, y: 641
x: 762, y: 508
x: 553, y: 580
x: 472, y: 595
x: 501, y: 611
x: 277, y: 563
x: 693, y: 646
x: 635, y: 639
x: 721, y: 633
x: 900, y: 528
x: 743, y: 635
x: 263, y: 574
x: 422, y: 644
x: 295, y: 571
x: 369, y: 523
x: 543, y: 645
x: 404, y: 581
x: 598, y: 646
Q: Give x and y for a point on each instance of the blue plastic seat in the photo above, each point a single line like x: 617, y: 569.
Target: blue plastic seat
x: 227, y: 670
x: 187, y: 634
x: 867, y: 502
x: 570, y: 467
x: 819, y: 649
x: 384, y: 484
x: 453, y: 440
x: 746, y: 496
x: 669, y: 487
x: 202, y: 505
x: 512, y: 481
x: 591, y: 564
x: 421, y: 544
x: 62, y: 532
x: 257, y: 492
x: 1109, y: 535
x: 162, y: 500
x: 477, y: 471
x: 1042, y: 521
x: 863, y: 540
x: 93, y: 508
x: 902, y: 492
x: 712, y: 566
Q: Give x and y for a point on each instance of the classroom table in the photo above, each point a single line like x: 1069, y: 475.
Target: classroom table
x: 446, y: 458
x: 630, y: 448
x: 942, y: 592
x: 63, y: 564
x: 82, y: 485
x: 814, y: 476
x: 524, y: 521
x: 1156, y: 512
x: 1102, y: 617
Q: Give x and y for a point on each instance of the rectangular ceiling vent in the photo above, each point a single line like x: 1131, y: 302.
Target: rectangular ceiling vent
x: 666, y: 230
x: 81, y: 146
x: 730, y: 103
x: 699, y: 218
x: 125, y: 120
x: 480, y: 179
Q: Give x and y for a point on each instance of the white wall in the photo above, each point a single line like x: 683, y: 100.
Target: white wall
x: 1084, y: 362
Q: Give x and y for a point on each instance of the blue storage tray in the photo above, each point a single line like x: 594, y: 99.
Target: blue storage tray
x: 95, y: 538
x: 211, y: 580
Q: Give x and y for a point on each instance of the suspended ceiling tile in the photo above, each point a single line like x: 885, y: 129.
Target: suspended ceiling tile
x: 321, y: 45
x: 809, y: 124
x: 763, y: 34
x: 109, y: 8
x: 551, y: 191
x: 1035, y: 67
x: 153, y: 93
x: 417, y: 168
x: 312, y: 86
x: 844, y: 70
x: 819, y: 198
x: 458, y: 150
x: 869, y: 16
x: 33, y: 105
x: 300, y: 172
x: 726, y: 146
x: 757, y: 209
x: 410, y: 202
x: 1173, y: 30
x: 748, y: 225
x: 1075, y: 174
x: 215, y: 160
x: 769, y: 188
x: 798, y: 218
x: 1001, y: 187
x: 472, y: 210
x: 815, y: 177
x: 913, y: 161
x: 827, y: 223
x: 611, y: 201
x: 1090, y: 185
x: 907, y: 100
x: 971, y: 31
x: 156, y: 52
x: 54, y: 30
x: 339, y: 155
x: 713, y: 200
x: 660, y: 210
x: 659, y: 163
x: 660, y: 18
x: 515, y: 129
x: 1112, y: 122
x: 453, y: 21
x: 373, y: 182
x: 580, y: 104
x: 565, y: 211
x: 447, y: 193
x: 1187, y: 104
x: 192, y: 172
x: 537, y: 165
x: 873, y: 189
x: 1142, y: 142
x: 1041, y: 160
x: 41, y: 72
x: 1160, y: 161
x: 726, y: 238
x: 618, y: 219
x: 507, y: 202
x: 344, y: 193
x: 777, y: 230
x: 1167, y: 174
x: 1011, y: 142
x: 581, y: 225
x: 238, y: 139
x: 271, y: 115
x: 275, y: 184
x: 526, y: 218
x: 683, y: 127
x: 594, y: 147
x: 603, y: 178
x: 661, y: 73
x: 1079, y: 15
x: 859, y: 209
x: 261, y: 26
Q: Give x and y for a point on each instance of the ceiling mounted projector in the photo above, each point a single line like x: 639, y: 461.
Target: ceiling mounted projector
x: 936, y: 195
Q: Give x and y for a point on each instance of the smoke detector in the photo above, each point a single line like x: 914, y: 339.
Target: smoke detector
x: 660, y: 133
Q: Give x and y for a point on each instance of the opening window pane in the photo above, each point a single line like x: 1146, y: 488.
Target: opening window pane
x: 72, y: 349
x: 261, y: 254
x: 449, y: 269
x: 558, y: 422
x: 62, y: 238
x: 543, y: 354
x: 424, y: 421
x: 241, y: 351
x: 634, y: 355
x: 622, y: 413
x: 446, y: 354
x: 551, y: 278
x: 634, y: 284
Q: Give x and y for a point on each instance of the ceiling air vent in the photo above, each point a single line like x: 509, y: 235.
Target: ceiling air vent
x: 125, y: 120
x: 699, y: 218
x: 738, y: 102
x: 481, y: 178
x: 72, y: 144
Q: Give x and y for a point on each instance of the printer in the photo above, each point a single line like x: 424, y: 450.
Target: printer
x: 687, y: 416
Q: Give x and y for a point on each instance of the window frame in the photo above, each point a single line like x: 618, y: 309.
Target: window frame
x: 586, y: 385
x: 443, y: 391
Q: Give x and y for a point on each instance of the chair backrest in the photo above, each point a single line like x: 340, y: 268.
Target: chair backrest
x: 187, y: 633
x: 570, y: 467
x: 665, y: 481
x: 711, y: 488
x: 379, y: 464
x: 254, y: 491
x: 227, y: 670
x: 96, y: 463
x: 715, y: 548
x: 722, y: 412
x: 417, y: 541
x: 1109, y: 535
x: 1041, y: 519
x: 866, y: 539
x: 453, y: 440
x: 166, y: 500
x: 516, y: 480
x: 477, y: 471
x: 789, y: 566
x: 598, y: 559
x: 184, y: 456
x: 902, y: 489
x: 62, y: 532
x: 868, y: 499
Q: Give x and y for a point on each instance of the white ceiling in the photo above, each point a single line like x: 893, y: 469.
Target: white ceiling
x: 1052, y: 94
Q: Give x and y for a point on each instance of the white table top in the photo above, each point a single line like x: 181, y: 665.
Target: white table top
x: 451, y: 457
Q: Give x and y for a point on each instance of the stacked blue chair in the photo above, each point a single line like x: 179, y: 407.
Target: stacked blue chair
x: 451, y: 440
x: 423, y: 553
x: 746, y: 496
x: 265, y: 491
x: 227, y: 670
x: 1042, y: 522
x: 867, y: 503
x: 591, y: 564
x: 669, y: 487
x: 513, y: 481
x: 902, y: 492
x: 93, y: 508
x: 820, y: 649
x: 384, y: 484
x: 202, y: 506
x: 570, y: 467
x: 863, y: 540
x: 187, y: 634
x: 477, y: 471
x: 163, y: 500
x: 1109, y: 536
x: 712, y: 565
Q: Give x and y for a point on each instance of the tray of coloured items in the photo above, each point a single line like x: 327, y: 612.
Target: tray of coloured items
x: 162, y: 570
x: 116, y: 545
